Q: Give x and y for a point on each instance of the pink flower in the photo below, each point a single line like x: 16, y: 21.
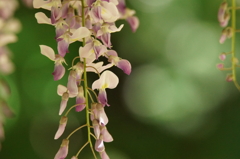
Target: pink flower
x: 63, y: 105
x: 220, y: 66
x: 107, y: 137
x: 120, y: 63
x: 59, y: 70
x: 99, y: 144
x: 99, y: 114
x: 229, y: 78
x: 222, y: 56
x: 226, y: 33
x: 133, y: 22
x: 72, y: 83
x: 223, y: 14
x: 103, y: 11
x: 128, y: 14
x: 61, y: 128
x: 63, y: 151
x: 107, y: 80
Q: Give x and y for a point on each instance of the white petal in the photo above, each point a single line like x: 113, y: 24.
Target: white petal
x: 42, y: 18
x: 107, y: 80
x: 61, y: 89
x: 7, y: 38
x: 48, y: 52
x: 80, y: 33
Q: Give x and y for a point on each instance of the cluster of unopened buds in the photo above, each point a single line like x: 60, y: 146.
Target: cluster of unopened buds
x: 91, y: 22
x: 226, y: 13
x: 9, y: 26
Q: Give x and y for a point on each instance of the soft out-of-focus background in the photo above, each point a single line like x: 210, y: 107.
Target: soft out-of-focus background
x: 174, y: 105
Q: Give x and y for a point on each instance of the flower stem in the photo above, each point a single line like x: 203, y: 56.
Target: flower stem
x: 76, y: 130
x: 233, y: 43
x: 86, y: 87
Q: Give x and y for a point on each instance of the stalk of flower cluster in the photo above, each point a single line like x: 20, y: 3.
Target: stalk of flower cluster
x: 91, y: 22
x: 229, y: 32
x: 234, y: 62
x: 9, y: 26
x: 86, y: 87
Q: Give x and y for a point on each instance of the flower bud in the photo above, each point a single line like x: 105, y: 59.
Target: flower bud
x: 63, y: 151
x: 226, y: 33
x: 93, y: 112
x: 107, y: 137
x: 61, y: 128
x: 64, y: 101
x: 96, y: 128
x: 101, y: 115
x: 99, y: 144
x: 220, y: 66
x: 222, y: 56
x: 104, y: 155
x: 223, y: 14
x: 229, y: 78
x: 72, y: 83
x: 80, y: 100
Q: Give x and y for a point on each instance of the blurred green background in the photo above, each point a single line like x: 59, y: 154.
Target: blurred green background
x: 174, y: 105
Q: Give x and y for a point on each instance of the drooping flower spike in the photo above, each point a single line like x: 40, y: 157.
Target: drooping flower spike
x: 9, y: 27
x: 225, y: 13
x: 91, y: 22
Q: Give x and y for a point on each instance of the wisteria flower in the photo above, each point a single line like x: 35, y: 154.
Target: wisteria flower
x: 107, y: 80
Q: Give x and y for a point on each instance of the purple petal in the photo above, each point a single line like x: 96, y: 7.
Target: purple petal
x: 63, y: 47
x: 58, y: 72
x: 79, y: 102
x: 90, y: 2
x: 64, y: 9
x: 102, y: 97
x: 95, y: 14
x: 59, y: 32
x: 99, y: 50
x: 133, y: 22
x: 121, y: 7
x: 125, y: 66
x: 106, y: 39
x: 56, y: 13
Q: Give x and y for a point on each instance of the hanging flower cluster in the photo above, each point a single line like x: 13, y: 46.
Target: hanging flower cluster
x: 9, y: 26
x: 225, y: 13
x: 91, y: 22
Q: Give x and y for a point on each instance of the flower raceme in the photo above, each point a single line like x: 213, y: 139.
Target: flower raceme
x: 225, y: 13
x: 91, y: 22
x: 9, y: 26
